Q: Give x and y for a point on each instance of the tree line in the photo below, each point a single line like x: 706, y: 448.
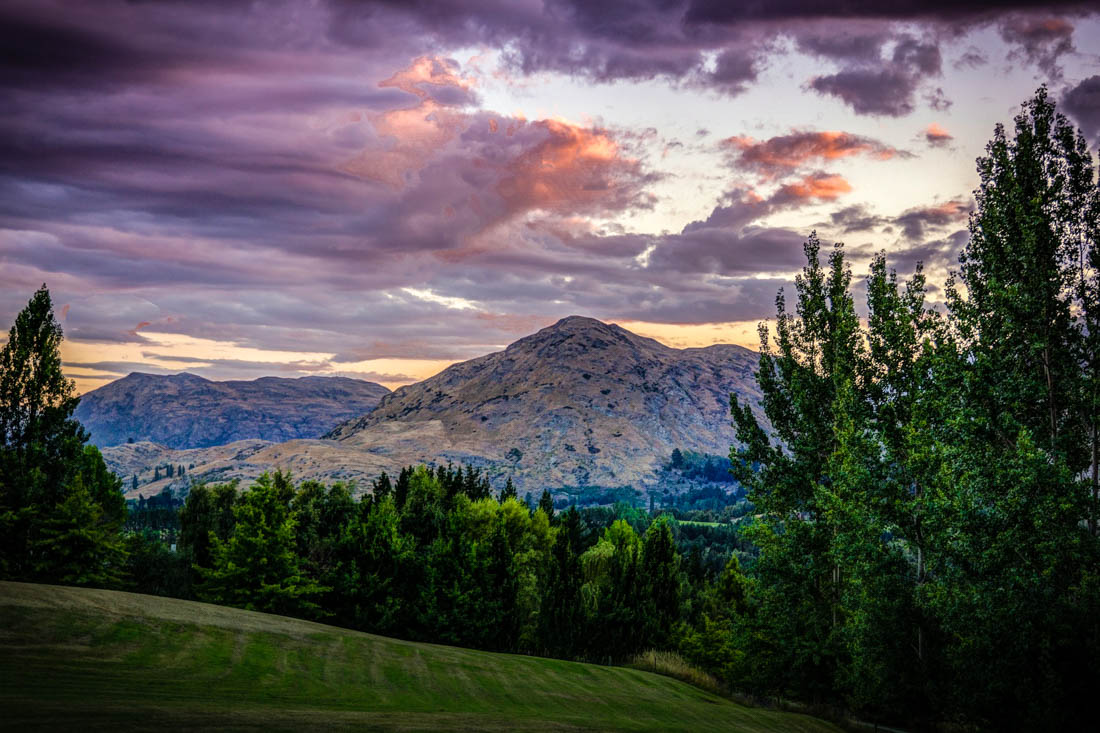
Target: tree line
x: 928, y: 547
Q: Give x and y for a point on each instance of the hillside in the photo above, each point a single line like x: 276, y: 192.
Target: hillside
x: 187, y: 411
x: 73, y: 658
x: 579, y: 404
x: 580, y: 407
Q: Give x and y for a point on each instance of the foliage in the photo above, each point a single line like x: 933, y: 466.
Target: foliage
x: 257, y: 567
x: 60, y: 508
x: 928, y: 548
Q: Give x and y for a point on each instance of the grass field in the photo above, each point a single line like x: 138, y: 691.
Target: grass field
x: 79, y: 659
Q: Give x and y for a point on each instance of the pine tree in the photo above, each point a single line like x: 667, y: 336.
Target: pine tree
x: 382, y: 487
x: 660, y: 569
x: 677, y: 459
x: 509, y: 491
x: 77, y: 544
x: 562, y: 628
x: 257, y: 567
x: 401, y: 488
x: 546, y: 503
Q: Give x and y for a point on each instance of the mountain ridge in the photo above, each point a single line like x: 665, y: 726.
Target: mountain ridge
x: 190, y: 411
x: 578, y: 407
x: 551, y: 404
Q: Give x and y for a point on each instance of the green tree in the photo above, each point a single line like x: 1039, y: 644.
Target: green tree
x: 401, y: 488
x: 1015, y: 449
x: 206, y: 515
x: 509, y: 491
x: 77, y: 544
x: 816, y: 358
x: 562, y: 620
x: 382, y: 487
x: 546, y: 503
x: 257, y: 567
x: 47, y: 477
x: 661, y: 574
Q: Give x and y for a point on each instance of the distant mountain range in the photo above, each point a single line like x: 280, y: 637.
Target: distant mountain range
x: 187, y: 411
x: 580, y: 406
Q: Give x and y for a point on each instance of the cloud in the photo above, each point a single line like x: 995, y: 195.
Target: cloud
x: 573, y: 170
x: 855, y: 218
x: 936, y: 255
x: 1082, y: 103
x: 972, y: 58
x: 936, y: 136
x: 277, y: 175
x: 1041, y: 41
x: 818, y: 186
x: 721, y: 12
x: 914, y: 222
x: 785, y: 153
x: 884, y: 88
x: 844, y: 45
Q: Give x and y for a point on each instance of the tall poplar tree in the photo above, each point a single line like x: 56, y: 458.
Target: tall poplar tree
x: 50, y: 484
x: 813, y: 362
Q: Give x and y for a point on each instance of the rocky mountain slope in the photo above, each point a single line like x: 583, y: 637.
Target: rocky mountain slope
x: 580, y: 403
x: 187, y: 411
x: 579, y: 407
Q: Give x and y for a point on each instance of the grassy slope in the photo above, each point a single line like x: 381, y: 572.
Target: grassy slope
x: 88, y: 659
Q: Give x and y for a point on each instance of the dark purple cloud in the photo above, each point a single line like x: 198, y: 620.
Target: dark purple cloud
x: 1082, y: 103
x: 914, y: 222
x: 855, y: 218
x: 872, y: 86
x: 721, y: 11
x: 936, y: 255
x: 1040, y: 40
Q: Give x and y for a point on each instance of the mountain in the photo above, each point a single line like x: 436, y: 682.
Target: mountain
x: 582, y: 407
x: 579, y: 404
x: 187, y: 411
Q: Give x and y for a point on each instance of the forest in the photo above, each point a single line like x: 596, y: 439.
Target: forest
x: 923, y: 549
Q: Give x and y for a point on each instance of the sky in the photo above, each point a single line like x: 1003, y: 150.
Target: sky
x: 380, y: 189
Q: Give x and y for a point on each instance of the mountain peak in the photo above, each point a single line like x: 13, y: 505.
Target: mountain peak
x: 580, y: 403
x: 582, y: 330
x: 580, y: 322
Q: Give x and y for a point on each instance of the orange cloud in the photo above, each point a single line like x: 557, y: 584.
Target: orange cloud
x: 819, y: 186
x: 426, y: 71
x: 573, y: 169
x: 936, y: 135
x: 411, y: 135
x: 779, y: 155
x: 135, y: 329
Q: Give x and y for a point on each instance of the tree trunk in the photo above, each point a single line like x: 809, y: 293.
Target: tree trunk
x: 919, y: 537
x: 1050, y: 397
x: 1095, y: 478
